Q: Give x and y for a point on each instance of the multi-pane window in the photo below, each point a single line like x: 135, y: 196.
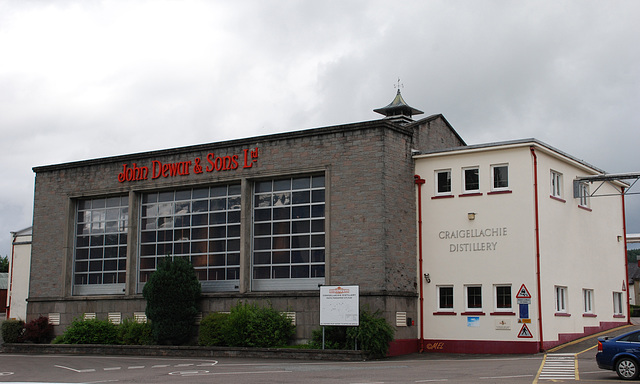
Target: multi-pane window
x: 617, y: 303
x: 587, y: 295
x: 100, y: 253
x: 561, y: 299
x: 445, y: 298
x: 471, y: 179
x: 474, y: 297
x: 288, y: 232
x: 443, y: 182
x: 583, y: 189
x: 500, y: 177
x: 503, y: 298
x: 556, y: 184
x: 201, y: 224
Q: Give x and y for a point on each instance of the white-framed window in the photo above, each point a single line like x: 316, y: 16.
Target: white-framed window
x: 584, y: 194
x: 473, y: 295
x: 443, y: 182
x: 100, y: 248
x: 503, y: 300
x: 499, y: 177
x: 617, y: 303
x: 471, y: 179
x: 561, y: 299
x: 587, y: 298
x: 445, y: 298
x: 556, y: 184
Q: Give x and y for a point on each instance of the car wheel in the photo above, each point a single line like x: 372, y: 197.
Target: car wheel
x: 627, y: 368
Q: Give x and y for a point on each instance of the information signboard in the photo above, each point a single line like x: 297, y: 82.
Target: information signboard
x: 340, y: 305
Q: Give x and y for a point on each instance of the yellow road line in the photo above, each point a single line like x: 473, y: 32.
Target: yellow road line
x: 586, y: 337
x: 535, y: 381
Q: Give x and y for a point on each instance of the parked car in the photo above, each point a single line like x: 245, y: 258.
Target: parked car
x: 620, y: 354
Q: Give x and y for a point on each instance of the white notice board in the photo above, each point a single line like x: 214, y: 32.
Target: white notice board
x: 340, y: 305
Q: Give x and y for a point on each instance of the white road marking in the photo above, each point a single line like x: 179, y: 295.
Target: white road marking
x: 75, y: 370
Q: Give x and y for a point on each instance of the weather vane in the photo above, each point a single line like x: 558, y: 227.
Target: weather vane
x: 399, y: 85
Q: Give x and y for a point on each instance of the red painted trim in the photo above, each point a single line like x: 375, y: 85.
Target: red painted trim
x: 562, y: 314
x: 441, y: 197
x: 481, y: 346
x: 585, y: 208
x: 472, y: 314
x: 556, y: 198
x: 567, y: 337
x: 537, y: 231
x: 444, y: 313
x: 402, y: 347
x: 619, y: 316
x: 420, y: 182
x: 499, y: 192
x: 470, y: 194
x: 589, y: 315
x: 502, y: 314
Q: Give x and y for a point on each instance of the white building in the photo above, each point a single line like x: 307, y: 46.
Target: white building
x: 510, y: 261
x: 19, y: 274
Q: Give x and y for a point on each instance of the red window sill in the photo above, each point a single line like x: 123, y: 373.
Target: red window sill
x: 502, y: 314
x: 585, y: 208
x: 618, y: 316
x: 589, y: 315
x: 441, y: 197
x: 470, y: 194
x: 499, y: 192
x: 558, y: 199
x: 472, y: 314
x: 562, y: 314
x: 444, y: 313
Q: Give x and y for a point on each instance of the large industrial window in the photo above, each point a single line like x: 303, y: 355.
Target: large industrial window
x: 100, y: 252
x: 201, y: 224
x: 288, y: 247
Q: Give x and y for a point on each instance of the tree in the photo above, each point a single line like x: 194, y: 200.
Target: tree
x: 632, y: 255
x: 172, y: 293
x: 4, y: 264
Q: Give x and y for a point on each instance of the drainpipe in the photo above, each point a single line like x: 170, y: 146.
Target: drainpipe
x: 419, y: 182
x: 537, y: 231
x: 626, y: 262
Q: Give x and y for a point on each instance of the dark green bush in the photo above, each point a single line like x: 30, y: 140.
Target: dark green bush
x: 90, y: 331
x: 373, y: 335
x: 249, y: 325
x: 212, y: 329
x: 12, y: 330
x: 172, y: 293
x: 131, y: 332
x: 38, y: 331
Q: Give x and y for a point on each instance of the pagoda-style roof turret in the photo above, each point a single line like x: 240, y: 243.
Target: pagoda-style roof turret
x: 397, y: 108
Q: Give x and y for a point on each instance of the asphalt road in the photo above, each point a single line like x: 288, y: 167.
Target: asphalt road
x: 573, y: 362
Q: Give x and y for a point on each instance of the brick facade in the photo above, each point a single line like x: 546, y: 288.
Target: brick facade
x: 370, y: 216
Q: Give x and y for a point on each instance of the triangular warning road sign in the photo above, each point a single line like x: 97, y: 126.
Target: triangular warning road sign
x: 525, y: 332
x: 523, y: 293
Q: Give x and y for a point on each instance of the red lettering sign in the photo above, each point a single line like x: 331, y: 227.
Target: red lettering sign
x: 182, y: 168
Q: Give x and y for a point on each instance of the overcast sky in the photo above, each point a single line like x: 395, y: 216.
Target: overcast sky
x: 88, y: 79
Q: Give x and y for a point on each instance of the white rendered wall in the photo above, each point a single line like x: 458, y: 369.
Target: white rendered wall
x: 19, y: 269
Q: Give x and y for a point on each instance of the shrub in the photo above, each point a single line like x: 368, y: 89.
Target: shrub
x: 373, y: 335
x: 131, y: 332
x: 212, y: 329
x: 172, y: 293
x: 249, y: 325
x: 12, y: 330
x: 38, y: 330
x: 90, y: 331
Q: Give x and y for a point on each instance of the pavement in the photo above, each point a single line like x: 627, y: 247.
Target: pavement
x: 585, y: 343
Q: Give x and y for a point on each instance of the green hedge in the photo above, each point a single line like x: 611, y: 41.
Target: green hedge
x: 94, y: 331
x: 12, y: 330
